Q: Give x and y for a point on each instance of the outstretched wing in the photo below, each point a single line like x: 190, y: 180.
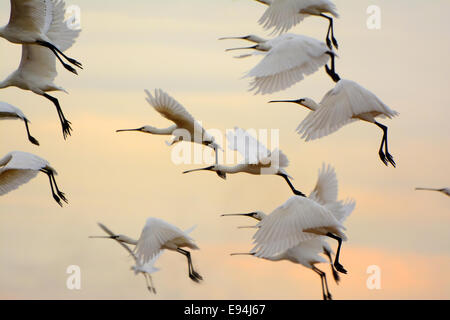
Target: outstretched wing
x: 171, y: 109
x: 282, y: 15
x: 155, y: 234
x: 8, y: 111
x: 285, y: 227
x: 30, y: 15
x: 287, y: 63
x: 326, y: 189
x: 339, y: 107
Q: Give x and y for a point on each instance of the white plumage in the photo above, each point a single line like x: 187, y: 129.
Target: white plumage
x: 18, y: 168
x: 346, y: 102
x: 158, y: 235
x: 186, y: 128
x: 288, y: 59
x: 298, y: 219
x: 41, y: 23
x: 10, y: 112
x: 37, y: 69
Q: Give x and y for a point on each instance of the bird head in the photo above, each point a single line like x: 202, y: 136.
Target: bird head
x: 258, y: 215
x: 144, y: 129
x: 214, y: 168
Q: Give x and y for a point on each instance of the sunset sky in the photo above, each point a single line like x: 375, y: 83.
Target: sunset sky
x: 121, y: 179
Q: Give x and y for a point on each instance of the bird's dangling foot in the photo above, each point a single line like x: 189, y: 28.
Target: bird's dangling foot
x: 196, y: 275
x: 335, y: 43
x: 58, y: 200
x: 390, y: 159
x: 193, y: 278
x: 340, y: 268
x: 66, y: 128
x: 299, y: 193
x: 33, y: 140
x: 75, y: 63
x: 70, y: 68
x: 329, y: 44
x: 329, y: 297
x: 383, y: 157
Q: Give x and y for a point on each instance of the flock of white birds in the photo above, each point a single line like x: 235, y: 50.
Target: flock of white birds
x: 299, y: 229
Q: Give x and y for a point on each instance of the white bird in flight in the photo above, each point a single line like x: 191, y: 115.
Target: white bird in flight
x: 346, y: 102
x: 325, y: 193
x: 146, y: 269
x: 445, y: 191
x: 40, y: 23
x: 258, y: 160
x: 288, y: 59
x: 8, y: 111
x: 37, y: 69
x: 282, y: 15
x: 158, y: 235
x: 18, y: 168
x: 186, y: 128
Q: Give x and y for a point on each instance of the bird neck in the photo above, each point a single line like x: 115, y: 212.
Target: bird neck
x: 163, y: 131
x: 310, y: 104
x: 128, y: 240
x: 5, y: 83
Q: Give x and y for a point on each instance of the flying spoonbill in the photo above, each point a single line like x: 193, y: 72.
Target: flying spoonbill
x: 8, y: 111
x: 445, y: 191
x: 325, y: 194
x: 288, y: 59
x: 158, y: 235
x: 146, y: 269
x: 41, y: 23
x: 37, y: 69
x: 17, y: 168
x: 346, y: 102
x: 172, y: 110
x: 258, y: 159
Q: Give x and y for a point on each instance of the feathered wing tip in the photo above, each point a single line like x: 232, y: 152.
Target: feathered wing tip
x: 326, y: 189
x: 188, y: 231
x: 281, y: 16
x: 11, y: 180
x: 58, y: 31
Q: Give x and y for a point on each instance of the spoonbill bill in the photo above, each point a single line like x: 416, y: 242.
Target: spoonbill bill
x: 8, y: 111
x: 18, y: 168
x: 41, y: 23
x: 288, y: 59
x: 346, y: 102
x: 37, y: 69
x: 184, y: 122
x: 158, y: 235
x: 258, y: 159
x: 146, y: 269
x: 282, y: 15
x: 445, y: 191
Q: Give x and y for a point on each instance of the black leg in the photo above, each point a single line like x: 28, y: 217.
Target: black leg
x: 56, y: 50
x: 337, y: 265
x: 385, y: 156
x: 330, y: 30
x: 30, y: 137
x: 332, y: 72
x: 320, y: 273
x: 336, y: 276
x: 329, y: 296
x: 296, y: 192
x: 60, y: 194
x: 64, y: 122
x: 192, y: 273
x: 57, y: 199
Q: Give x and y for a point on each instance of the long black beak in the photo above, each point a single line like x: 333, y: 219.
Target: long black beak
x: 123, y: 130
x: 298, y: 101
x: 201, y: 169
x: 238, y: 214
x: 102, y: 237
x: 242, y: 254
x: 243, y: 48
